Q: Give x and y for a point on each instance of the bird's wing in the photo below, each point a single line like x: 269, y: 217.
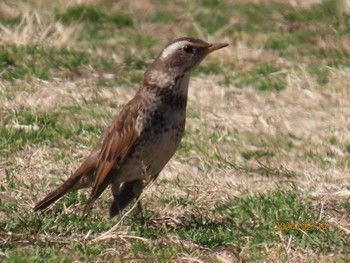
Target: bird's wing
x: 117, y: 142
x: 114, y: 151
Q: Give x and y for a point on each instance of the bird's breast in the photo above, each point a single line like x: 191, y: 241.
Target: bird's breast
x: 163, y: 131
x: 160, y: 125
x: 160, y: 132
x: 161, y: 142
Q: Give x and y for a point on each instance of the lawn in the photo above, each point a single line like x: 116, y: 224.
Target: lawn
x: 267, y: 140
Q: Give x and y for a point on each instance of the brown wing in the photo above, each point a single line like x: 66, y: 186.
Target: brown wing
x: 116, y: 144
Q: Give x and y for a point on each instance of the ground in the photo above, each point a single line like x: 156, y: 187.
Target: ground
x: 267, y: 140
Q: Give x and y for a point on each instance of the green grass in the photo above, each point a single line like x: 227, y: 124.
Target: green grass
x: 163, y: 17
x: 266, y: 130
x: 42, y: 128
x: 264, y: 77
x: 91, y: 14
x: 247, y: 221
x: 347, y: 148
x: 255, y: 217
x: 40, y: 61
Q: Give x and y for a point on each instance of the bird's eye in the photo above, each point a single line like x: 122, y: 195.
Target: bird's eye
x: 188, y: 49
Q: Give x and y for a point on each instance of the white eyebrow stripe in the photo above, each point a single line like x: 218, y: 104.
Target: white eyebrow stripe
x: 170, y: 49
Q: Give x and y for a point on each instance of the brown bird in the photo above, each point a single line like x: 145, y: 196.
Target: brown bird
x: 138, y: 144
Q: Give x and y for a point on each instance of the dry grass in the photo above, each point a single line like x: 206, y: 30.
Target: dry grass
x: 240, y: 141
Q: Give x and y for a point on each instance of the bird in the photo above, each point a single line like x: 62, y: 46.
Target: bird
x: 144, y: 136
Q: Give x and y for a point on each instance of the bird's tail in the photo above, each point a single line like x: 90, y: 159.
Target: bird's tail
x: 71, y: 184
x: 56, y: 194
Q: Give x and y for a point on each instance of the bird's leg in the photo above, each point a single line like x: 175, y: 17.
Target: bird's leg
x: 115, y: 208
x: 140, y: 210
x: 121, y: 220
x: 124, y: 195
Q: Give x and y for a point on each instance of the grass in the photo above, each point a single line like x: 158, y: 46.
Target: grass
x: 267, y: 138
x: 45, y: 62
x: 91, y: 14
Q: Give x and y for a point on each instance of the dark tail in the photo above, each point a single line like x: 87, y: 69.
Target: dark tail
x: 71, y: 184
x: 50, y: 198
x: 57, y: 193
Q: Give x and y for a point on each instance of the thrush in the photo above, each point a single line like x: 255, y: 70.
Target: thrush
x: 142, y: 139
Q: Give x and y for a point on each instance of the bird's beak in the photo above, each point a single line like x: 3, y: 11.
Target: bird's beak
x: 216, y: 46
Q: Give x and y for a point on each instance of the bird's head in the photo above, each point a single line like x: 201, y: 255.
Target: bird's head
x: 184, y: 54
x: 180, y: 57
